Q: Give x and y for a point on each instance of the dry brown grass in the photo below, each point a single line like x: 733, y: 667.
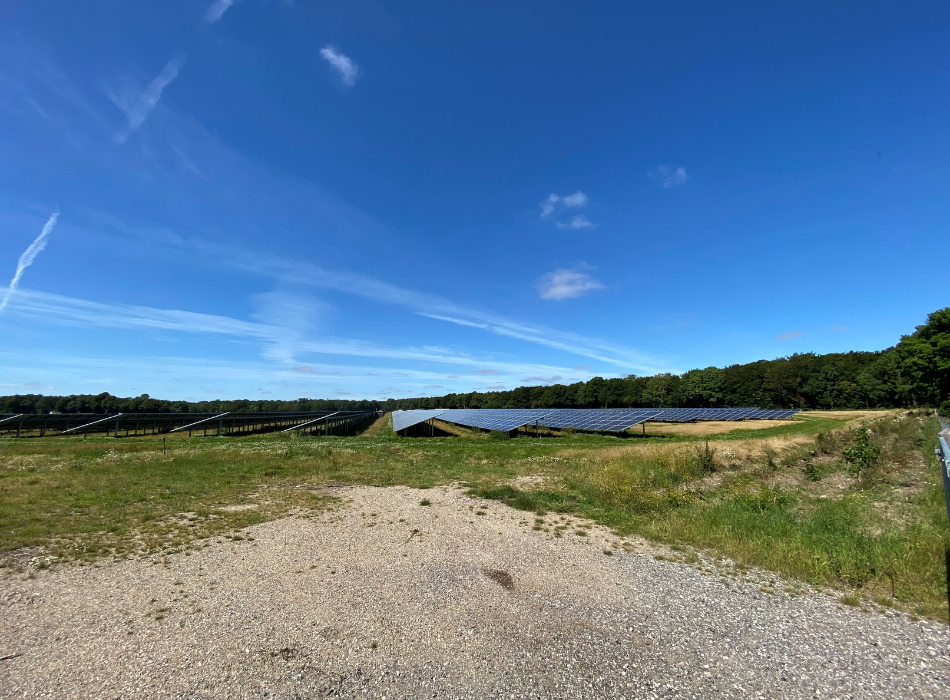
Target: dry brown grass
x: 853, y: 417
x: 712, y: 427
x: 742, y: 449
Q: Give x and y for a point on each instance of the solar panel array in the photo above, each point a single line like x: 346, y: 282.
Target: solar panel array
x: 504, y: 419
x: 407, y: 419
x: 228, y: 423
x: 612, y: 420
x: 772, y: 414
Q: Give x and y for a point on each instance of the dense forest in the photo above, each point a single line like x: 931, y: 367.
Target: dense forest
x: 913, y: 373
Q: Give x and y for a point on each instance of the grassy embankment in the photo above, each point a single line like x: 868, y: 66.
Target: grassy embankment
x: 813, y: 498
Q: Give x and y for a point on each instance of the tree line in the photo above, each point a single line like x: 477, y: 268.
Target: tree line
x: 913, y: 373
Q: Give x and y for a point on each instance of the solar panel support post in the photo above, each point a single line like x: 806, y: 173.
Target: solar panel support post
x: 18, y: 427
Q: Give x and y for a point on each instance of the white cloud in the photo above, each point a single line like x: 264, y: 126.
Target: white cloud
x: 578, y: 199
x: 146, y: 103
x: 554, y: 206
x: 555, y: 203
x: 668, y: 177
x: 217, y: 9
x: 575, y: 223
x: 791, y: 335
x: 543, y: 380
x: 348, y: 70
x: 565, y: 284
x: 28, y: 256
x: 549, y: 205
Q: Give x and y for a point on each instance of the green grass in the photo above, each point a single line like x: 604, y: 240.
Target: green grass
x: 81, y: 499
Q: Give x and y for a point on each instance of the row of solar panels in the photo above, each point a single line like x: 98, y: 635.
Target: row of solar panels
x: 599, y: 419
x: 68, y: 423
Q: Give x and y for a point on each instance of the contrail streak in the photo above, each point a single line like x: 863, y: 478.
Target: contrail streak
x: 29, y: 255
x: 218, y: 8
x: 153, y: 93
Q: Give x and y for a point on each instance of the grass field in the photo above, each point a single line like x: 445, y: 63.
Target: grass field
x: 850, y: 500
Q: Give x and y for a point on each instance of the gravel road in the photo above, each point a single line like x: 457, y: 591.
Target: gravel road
x: 384, y: 597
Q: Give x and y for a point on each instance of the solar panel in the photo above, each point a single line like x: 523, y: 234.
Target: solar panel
x: 677, y: 415
x: 613, y: 420
x: 595, y: 419
x: 407, y: 419
x: 503, y: 419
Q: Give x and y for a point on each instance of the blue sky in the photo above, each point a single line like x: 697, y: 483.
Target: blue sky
x: 274, y: 199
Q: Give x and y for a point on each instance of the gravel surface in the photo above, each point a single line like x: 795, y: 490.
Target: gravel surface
x: 384, y: 597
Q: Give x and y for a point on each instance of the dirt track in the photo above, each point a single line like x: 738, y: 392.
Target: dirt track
x: 436, y: 601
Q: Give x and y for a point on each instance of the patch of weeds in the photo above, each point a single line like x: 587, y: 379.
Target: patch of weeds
x: 826, y: 441
x: 424, y: 502
x: 608, y: 552
x: 850, y: 599
x: 863, y: 455
x: 704, y: 458
x: 815, y: 471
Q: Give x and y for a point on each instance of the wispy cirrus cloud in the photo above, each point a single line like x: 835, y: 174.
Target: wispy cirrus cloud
x: 566, y: 284
x: 555, y: 206
x: 139, y: 112
x: 791, y: 335
x: 343, y: 64
x: 225, y: 181
x: 542, y: 380
x: 28, y: 256
x: 217, y: 9
x: 280, y: 344
x: 670, y: 177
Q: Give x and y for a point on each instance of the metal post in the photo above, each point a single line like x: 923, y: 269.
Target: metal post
x: 116, y: 436
x: 18, y: 426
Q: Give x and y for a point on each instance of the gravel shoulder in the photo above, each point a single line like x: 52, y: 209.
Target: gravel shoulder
x: 384, y: 597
